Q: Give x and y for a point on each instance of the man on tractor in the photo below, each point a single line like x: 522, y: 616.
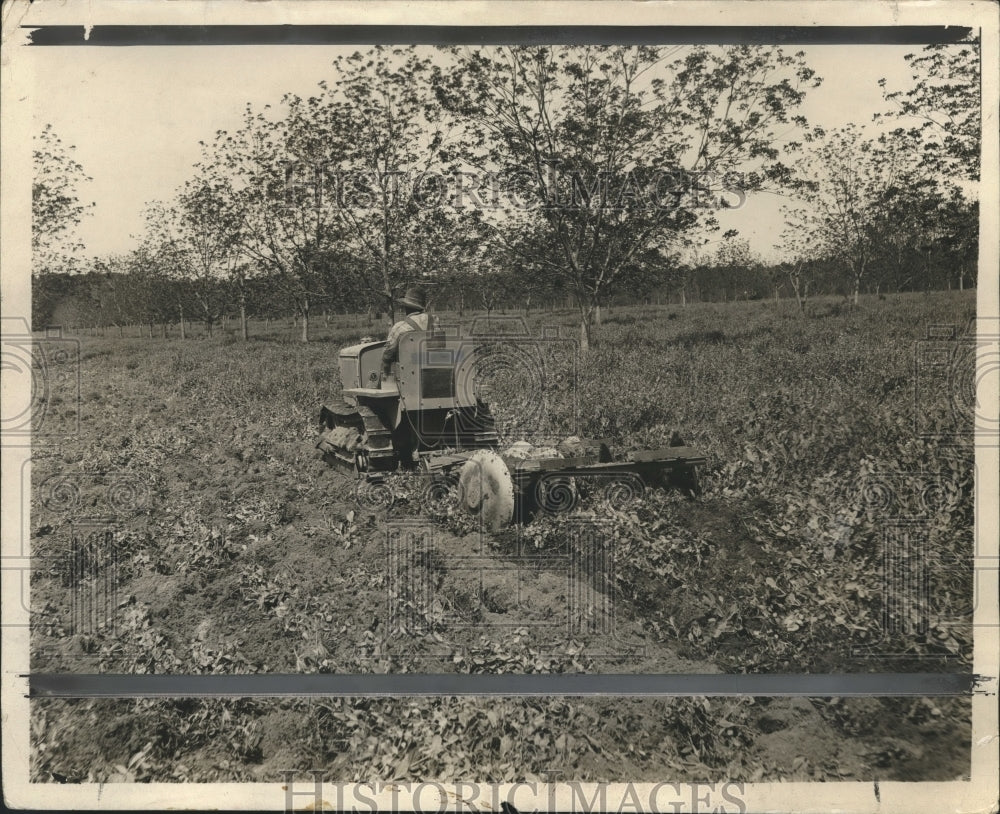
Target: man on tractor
x: 417, y: 318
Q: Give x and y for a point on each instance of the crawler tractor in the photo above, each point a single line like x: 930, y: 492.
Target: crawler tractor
x: 428, y: 416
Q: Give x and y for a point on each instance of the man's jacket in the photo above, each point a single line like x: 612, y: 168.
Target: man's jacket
x: 411, y: 322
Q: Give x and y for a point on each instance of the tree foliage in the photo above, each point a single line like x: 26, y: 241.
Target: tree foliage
x: 878, y: 209
x: 286, y: 228
x: 56, y: 209
x: 524, y: 176
x: 386, y: 137
x: 614, y: 151
x: 945, y: 101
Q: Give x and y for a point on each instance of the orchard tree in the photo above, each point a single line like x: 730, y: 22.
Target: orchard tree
x: 285, y: 225
x: 735, y: 261
x: 800, y: 249
x: 849, y: 185
x: 695, y: 254
x: 617, y: 151
x: 931, y: 237
x: 958, y: 239
x: 208, y: 229
x: 116, y: 292
x: 164, y: 247
x: 387, y: 160
x: 878, y: 209
x: 149, y: 288
x: 240, y: 283
x: 460, y: 283
x: 912, y: 226
x: 935, y: 219
x: 129, y: 290
x: 56, y: 209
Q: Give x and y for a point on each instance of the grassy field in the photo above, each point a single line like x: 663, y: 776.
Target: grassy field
x: 239, y: 551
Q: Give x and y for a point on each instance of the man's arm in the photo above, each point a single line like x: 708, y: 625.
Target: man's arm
x: 391, y: 349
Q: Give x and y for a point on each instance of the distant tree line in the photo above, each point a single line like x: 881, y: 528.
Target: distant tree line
x: 532, y: 177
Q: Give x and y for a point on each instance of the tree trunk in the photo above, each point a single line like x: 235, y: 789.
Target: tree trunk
x: 244, y: 331
x: 684, y: 302
x: 587, y: 325
x: 597, y: 316
x: 305, y: 322
x: 150, y: 326
x: 857, y: 290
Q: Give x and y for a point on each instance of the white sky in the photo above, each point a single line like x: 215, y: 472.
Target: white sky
x: 136, y: 114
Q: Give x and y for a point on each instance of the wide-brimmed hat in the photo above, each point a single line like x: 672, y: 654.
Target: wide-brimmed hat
x: 415, y: 297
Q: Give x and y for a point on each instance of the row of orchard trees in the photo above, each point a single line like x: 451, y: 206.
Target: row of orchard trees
x: 534, y: 173
x: 894, y: 210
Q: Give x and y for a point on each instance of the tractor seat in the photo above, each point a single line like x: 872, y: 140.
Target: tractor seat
x: 391, y: 392
x: 389, y: 388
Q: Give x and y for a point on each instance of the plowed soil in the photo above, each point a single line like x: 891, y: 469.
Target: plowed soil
x: 190, y: 527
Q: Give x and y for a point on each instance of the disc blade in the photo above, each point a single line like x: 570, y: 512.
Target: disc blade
x: 486, y: 488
